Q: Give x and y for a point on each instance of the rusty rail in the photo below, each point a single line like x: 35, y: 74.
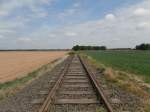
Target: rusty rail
x: 52, y: 93
x: 96, y: 85
x: 91, y: 75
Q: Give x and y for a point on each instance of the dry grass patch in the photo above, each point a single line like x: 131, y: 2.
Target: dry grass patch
x: 128, y: 82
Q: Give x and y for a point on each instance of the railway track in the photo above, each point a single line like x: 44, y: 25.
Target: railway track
x: 75, y: 90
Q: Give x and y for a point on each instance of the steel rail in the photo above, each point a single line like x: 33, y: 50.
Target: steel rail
x: 96, y: 85
x: 52, y: 93
x: 91, y: 75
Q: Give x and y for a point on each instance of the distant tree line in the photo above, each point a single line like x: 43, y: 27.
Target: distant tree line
x: 77, y: 48
x: 143, y: 47
x: 34, y: 49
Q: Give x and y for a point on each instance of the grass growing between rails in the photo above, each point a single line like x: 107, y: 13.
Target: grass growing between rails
x: 8, y: 88
x: 136, y: 62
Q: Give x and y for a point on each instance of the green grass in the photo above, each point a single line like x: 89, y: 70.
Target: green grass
x: 137, y: 62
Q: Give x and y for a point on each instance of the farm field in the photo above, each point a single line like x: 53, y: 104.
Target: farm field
x: 137, y: 62
x: 16, y: 64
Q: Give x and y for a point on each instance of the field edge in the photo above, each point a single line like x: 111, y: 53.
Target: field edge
x: 11, y: 87
x: 123, y: 80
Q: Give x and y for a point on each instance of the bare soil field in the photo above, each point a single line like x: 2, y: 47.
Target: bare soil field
x: 17, y: 64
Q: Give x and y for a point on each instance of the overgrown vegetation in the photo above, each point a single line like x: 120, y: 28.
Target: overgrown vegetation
x: 71, y: 53
x: 126, y: 81
x: 78, y: 48
x: 101, y: 109
x: 136, y: 62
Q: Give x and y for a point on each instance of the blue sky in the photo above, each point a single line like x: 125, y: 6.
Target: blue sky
x: 26, y: 24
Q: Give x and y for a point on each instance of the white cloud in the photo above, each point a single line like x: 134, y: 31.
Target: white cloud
x: 77, y: 4
x: 116, y: 39
x: 42, y: 14
x: 8, y: 7
x: 74, y: 10
x: 70, y: 34
x: 3, y: 13
x: 127, y: 27
x: 110, y: 17
x: 119, y: 33
x: 52, y: 35
x: 8, y: 27
x: 6, y: 31
x: 24, y: 40
x: 1, y: 36
x: 12, y: 26
x: 45, y: 1
x: 141, y: 12
x: 143, y: 25
x: 66, y: 13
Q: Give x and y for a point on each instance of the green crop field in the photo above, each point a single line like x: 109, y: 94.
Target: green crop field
x: 137, y: 62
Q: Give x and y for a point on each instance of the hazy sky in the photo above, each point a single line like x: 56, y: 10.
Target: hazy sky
x: 64, y: 23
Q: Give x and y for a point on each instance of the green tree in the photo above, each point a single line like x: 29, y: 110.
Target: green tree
x: 143, y: 47
x: 76, y: 48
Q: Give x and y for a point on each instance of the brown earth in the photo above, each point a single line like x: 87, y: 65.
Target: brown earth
x: 19, y: 63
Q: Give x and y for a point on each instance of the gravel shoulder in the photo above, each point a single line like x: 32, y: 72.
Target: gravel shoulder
x: 121, y: 100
